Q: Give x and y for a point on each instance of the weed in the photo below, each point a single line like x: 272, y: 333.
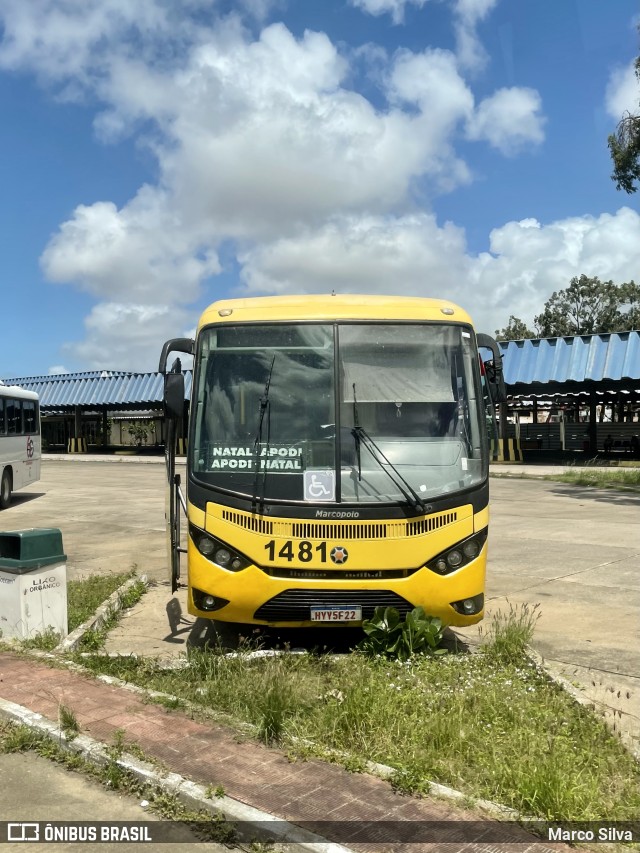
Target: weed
x: 44, y: 642
x: 410, y: 782
x: 211, y: 792
x: 171, y: 703
x: 508, y: 634
x: 67, y: 721
x: 274, y: 709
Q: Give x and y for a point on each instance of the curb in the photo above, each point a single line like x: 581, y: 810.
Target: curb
x: 248, y: 822
x: 110, y: 606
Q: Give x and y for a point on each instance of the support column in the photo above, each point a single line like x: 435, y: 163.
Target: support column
x: 593, y: 427
x: 76, y: 443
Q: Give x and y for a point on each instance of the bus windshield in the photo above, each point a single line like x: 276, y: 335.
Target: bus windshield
x: 354, y: 413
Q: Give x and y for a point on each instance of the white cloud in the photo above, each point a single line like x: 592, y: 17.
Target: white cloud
x: 509, y: 120
x: 65, y: 40
x: 142, y: 253
x: 58, y: 370
x: 409, y: 255
x: 395, y: 8
x: 127, y: 336
x: 528, y: 260
x: 467, y: 15
x: 412, y: 255
x: 262, y: 144
x: 623, y: 92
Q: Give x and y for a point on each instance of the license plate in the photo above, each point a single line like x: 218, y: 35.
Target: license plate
x: 336, y: 614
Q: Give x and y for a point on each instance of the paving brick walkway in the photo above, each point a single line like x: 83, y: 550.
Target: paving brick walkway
x: 300, y: 792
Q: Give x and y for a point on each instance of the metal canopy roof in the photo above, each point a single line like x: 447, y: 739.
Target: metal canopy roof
x: 549, y: 366
x: 537, y: 367
x: 99, y: 389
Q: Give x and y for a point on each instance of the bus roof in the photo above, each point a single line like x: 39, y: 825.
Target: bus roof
x: 351, y: 306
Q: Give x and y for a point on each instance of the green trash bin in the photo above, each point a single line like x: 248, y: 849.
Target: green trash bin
x: 33, y: 583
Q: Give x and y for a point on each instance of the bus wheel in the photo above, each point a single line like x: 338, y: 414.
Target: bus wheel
x: 5, y: 489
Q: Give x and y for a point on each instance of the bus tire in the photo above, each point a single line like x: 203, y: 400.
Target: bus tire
x: 5, y: 489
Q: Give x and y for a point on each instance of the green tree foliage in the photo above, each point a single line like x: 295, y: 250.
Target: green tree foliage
x: 515, y: 330
x: 624, y: 146
x: 587, y: 307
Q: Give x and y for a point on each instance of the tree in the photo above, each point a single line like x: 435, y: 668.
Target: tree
x: 624, y: 146
x: 515, y: 330
x: 587, y: 307
x: 139, y: 431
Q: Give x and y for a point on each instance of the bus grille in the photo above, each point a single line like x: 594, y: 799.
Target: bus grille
x: 336, y: 531
x: 294, y: 605
x: 337, y: 574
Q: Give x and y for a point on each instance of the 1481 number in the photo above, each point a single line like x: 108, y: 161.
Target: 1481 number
x: 303, y: 555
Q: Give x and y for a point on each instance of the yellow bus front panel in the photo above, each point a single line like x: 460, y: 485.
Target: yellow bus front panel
x: 366, y: 563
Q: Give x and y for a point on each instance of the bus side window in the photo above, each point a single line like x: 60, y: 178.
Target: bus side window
x: 14, y: 417
x: 29, y: 414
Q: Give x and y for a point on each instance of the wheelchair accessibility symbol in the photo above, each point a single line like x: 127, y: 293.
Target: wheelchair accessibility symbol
x: 319, y: 485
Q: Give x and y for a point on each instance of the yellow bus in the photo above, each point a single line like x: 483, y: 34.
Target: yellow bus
x: 337, y: 461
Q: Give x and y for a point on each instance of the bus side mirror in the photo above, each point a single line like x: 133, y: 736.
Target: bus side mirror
x: 174, y: 395
x: 186, y: 345
x: 493, y: 369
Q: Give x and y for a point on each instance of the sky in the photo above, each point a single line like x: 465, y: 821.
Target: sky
x: 158, y: 155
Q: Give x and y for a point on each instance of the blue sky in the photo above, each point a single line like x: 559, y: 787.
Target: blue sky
x: 158, y: 155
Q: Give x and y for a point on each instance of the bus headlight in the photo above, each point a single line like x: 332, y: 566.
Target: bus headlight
x: 222, y: 557
x: 459, y: 555
x: 216, y: 551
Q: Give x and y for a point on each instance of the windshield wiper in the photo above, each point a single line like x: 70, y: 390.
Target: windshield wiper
x: 265, y: 409
x: 361, y: 436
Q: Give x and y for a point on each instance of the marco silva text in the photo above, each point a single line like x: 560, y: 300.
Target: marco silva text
x: 601, y: 832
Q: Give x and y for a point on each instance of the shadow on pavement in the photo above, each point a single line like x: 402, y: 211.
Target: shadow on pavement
x: 611, y: 496
x: 206, y: 633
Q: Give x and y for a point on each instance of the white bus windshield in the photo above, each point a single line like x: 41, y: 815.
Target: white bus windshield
x: 356, y: 413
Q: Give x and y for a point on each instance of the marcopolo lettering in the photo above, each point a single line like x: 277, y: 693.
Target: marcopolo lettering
x: 323, y: 513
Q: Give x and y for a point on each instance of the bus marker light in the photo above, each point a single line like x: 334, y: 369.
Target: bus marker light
x: 468, y: 605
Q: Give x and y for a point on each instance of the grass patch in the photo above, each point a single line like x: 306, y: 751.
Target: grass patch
x: 94, y: 639
x: 85, y: 595
x: 627, y: 479
x: 490, y: 725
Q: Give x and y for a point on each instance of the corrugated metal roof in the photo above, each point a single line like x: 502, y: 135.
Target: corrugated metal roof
x: 609, y: 361
x: 107, y: 388
x: 554, y: 365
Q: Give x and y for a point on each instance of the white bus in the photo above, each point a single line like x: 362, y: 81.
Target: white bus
x: 20, y: 448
